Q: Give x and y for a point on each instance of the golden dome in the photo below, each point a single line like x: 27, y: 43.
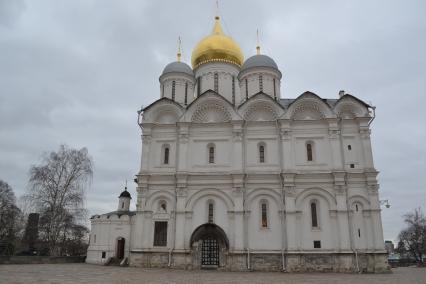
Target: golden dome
x: 217, y: 47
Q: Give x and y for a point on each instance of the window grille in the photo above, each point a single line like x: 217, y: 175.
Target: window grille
x: 160, y: 234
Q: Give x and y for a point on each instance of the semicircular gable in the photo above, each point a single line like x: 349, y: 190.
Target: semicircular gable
x: 164, y: 111
x: 308, y: 106
x: 261, y: 107
x: 350, y: 108
x: 210, y: 107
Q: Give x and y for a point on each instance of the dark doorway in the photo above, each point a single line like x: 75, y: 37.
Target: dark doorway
x: 120, y: 248
x: 209, y: 245
x: 209, y: 252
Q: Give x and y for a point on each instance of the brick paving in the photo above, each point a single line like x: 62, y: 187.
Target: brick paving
x: 87, y: 273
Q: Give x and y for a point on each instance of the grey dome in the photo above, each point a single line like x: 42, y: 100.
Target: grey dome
x: 259, y: 60
x: 125, y: 193
x: 178, y: 67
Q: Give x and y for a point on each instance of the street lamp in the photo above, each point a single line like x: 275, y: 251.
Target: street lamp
x: 385, y: 202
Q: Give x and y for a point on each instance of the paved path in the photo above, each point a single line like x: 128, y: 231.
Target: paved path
x: 86, y: 273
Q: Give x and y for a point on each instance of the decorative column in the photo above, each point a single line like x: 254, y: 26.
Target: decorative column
x: 146, y: 147
x: 237, y: 193
x: 342, y: 211
x: 237, y: 147
x: 291, y: 211
x: 287, y: 155
x: 182, y: 193
x: 365, y: 132
x: 182, y: 147
x: 376, y: 220
x: 335, y: 144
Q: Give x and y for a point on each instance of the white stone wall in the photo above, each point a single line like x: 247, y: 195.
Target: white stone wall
x: 104, y: 234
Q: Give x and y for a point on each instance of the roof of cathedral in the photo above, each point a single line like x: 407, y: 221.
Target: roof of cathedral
x: 178, y: 67
x: 259, y: 60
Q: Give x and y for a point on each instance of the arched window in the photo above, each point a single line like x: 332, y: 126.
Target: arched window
x: 216, y: 82
x: 122, y: 205
x: 314, y: 214
x: 173, y: 90
x: 275, y: 90
x: 233, y: 90
x: 210, y: 213
x: 261, y: 153
x: 260, y: 83
x: 211, y: 153
x: 166, y: 155
x: 186, y: 93
x: 264, y: 213
x: 309, y: 151
x: 162, y: 206
x: 246, y: 89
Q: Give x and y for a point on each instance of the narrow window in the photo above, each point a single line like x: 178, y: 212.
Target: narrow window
x: 317, y: 244
x: 275, y: 90
x: 94, y: 238
x: 349, y: 147
x: 309, y: 151
x: 352, y: 166
x: 166, y: 155
x: 264, y: 215
x: 260, y: 83
x: 359, y: 233
x: 216, y: 82
x: 122, y: 205
x: 104, y: 254
x: 261, y: 154
x: 233, y: 90
x: 246, y: 89
x: 173, y: 89
x: 198, y: 86
x: 186, y: 93
x: 314, y: 216
x: 211, y: 155
x: 211, y: 212
x: 160, y: 234
x: 356, y: 207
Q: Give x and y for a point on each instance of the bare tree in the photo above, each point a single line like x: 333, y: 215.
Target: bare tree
x: 413, y: 239
x: 57, y: 188
x: 10, y: 219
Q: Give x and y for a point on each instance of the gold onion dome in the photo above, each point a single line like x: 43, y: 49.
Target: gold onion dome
x: 217, y: 47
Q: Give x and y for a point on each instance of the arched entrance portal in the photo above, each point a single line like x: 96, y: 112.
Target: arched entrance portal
x: 120, y: 248
x: 208, y: 244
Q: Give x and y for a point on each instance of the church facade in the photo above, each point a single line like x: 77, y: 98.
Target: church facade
x: 235, y: 176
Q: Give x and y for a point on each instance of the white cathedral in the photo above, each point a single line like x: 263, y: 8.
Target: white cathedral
x: 235, y: 177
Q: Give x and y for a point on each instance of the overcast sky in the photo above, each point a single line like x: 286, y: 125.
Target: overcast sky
x: 76, y: 72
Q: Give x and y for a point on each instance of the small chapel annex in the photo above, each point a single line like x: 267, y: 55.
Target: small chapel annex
x: 236, y: 176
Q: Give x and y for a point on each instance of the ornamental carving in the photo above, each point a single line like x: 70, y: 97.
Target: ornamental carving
x: 260, y: 112
x: 308, y: 110
x: 349, y: 109
x: 211, y: 112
